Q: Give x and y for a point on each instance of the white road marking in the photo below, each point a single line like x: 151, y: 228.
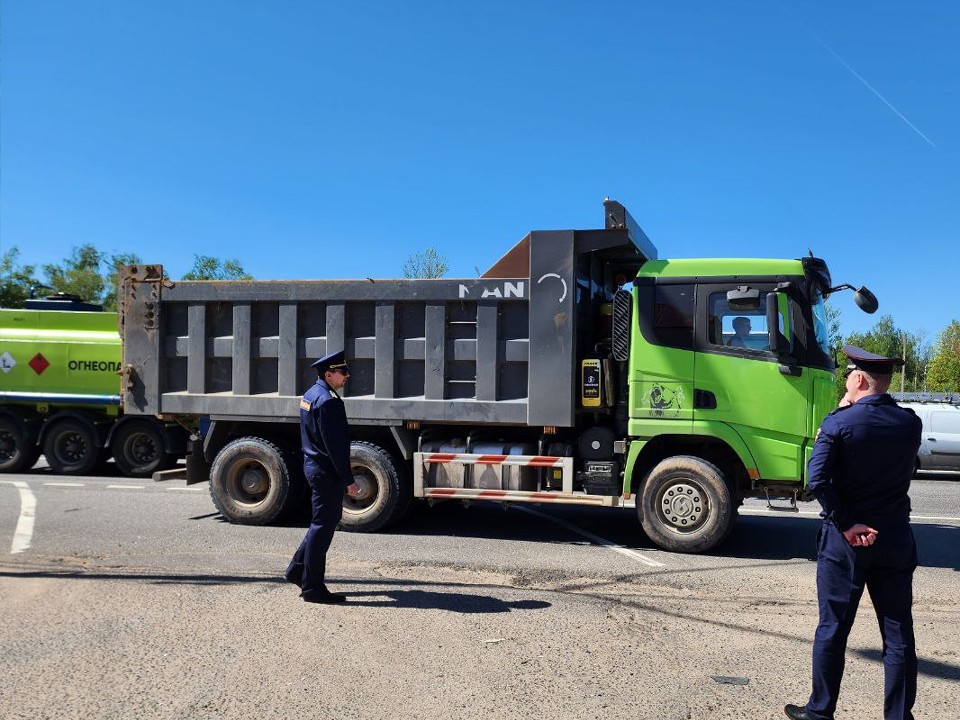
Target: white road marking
x: 23, y: 535
x: 807, y: 513
x: 632, y: 554
x: 185, y: 489
x: 64, y: 484
x: 125, y: 487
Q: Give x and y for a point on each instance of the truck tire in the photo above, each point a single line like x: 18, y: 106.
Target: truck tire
x: 18, y: 450
x: 685, y: 505
x: 138, y: 449
x: 250, y: 482
x: 70, y: 447
x: 385, y: 491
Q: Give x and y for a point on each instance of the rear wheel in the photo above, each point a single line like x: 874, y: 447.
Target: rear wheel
x: 250, y: 482
x: 383, y: 490
x: 18, y: 450
x: 685, y: 505
x: 138, y: 449
x: 70, y: 447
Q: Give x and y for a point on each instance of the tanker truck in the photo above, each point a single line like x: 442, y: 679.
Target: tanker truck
x: 60, y: 394
x: 580, y: 369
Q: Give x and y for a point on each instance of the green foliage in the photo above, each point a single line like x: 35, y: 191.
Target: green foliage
x: 110, y: 297
x: 426, y: 264
x: 886, y: 339
x: 79, y: 274
x: 835, y: 336
x: 211, y: 268
x: 91, y: 274
x: 943, y: 372
x: 15, y: 280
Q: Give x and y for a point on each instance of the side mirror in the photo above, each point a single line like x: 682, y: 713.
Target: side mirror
x: 866, y: 300
x: 744, y: 299
x: 775, y: 339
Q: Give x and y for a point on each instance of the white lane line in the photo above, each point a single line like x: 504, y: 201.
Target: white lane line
x: 934, y: 518
x: 185, y: 489
x: 632, y: 554
x: 805, y: 513
x: 125, y: 487
x: 23, y: 535
x: 64, y: 484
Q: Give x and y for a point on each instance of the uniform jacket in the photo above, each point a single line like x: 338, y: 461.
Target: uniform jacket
x: 862, y: 463
x: 324, y: 433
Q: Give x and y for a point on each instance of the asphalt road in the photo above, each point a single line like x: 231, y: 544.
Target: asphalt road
x: 134, y: 599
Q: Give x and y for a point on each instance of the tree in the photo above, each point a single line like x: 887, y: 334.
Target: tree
x: 15, y: 281
x: 835, y: 338
x: 110, y: 296
x: 426, y: 264
x: 886, y: 339
x: 943, y: 372
x: 211, y: 268
x: 79, y: 274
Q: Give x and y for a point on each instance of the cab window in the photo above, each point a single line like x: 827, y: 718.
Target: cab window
x: 736, y: 328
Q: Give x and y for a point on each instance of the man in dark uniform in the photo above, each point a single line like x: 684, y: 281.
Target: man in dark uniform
x: 326, y: 464
x: 860, y: 472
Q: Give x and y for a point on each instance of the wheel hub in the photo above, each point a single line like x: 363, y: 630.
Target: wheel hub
x: 683, y: 506
x: 366, y: 487
x: 143, y: 449
x: 253, y: 481
x: 74, y: 447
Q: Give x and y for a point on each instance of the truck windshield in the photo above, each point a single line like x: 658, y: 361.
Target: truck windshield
x: 820, y: 326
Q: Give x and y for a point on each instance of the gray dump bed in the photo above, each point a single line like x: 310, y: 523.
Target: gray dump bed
x: 499, y: 349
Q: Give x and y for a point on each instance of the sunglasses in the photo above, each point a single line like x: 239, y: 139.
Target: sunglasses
x: 341, y: 370
x: 846, y: 373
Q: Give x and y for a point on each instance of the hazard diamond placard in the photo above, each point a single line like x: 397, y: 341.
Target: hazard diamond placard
x: 39, y: 363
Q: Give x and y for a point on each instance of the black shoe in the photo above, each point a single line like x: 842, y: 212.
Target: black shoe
x: 797, y: 713
x: 323, y: 598
x: 294, y: 577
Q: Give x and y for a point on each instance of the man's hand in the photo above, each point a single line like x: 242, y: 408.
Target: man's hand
x: 860, y: 535
x: 352, y: 490
x: 845, y: 400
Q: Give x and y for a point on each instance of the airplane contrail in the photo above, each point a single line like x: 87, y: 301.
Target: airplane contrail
x: 870, y: 87
x: 858, y: 76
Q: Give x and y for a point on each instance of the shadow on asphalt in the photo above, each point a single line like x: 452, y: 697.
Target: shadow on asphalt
x: 383, y: 592
x: 754, y: 537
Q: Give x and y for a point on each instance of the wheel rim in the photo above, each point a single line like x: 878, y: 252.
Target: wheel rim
x: 140, y: 449
x: 683, y: 506
x: 368, y: 491
x: 71, y: 447
x: 248, y: 483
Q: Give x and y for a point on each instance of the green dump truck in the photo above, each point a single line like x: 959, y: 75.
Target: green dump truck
x: 580, y: 369
x: 60, y: 394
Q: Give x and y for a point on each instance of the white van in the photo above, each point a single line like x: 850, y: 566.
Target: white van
x: 940, y: 441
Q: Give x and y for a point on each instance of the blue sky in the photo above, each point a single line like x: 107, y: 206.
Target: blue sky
x: 331, y: 140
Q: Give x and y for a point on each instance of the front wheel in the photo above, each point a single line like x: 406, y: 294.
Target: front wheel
x: 685, y: 505
x: 250, y: 482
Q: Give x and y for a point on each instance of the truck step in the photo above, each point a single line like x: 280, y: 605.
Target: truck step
x: 791, y: 501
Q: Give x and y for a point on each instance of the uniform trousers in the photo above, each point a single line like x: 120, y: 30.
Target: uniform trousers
x: 310, y: 560
x: 886, y: 570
